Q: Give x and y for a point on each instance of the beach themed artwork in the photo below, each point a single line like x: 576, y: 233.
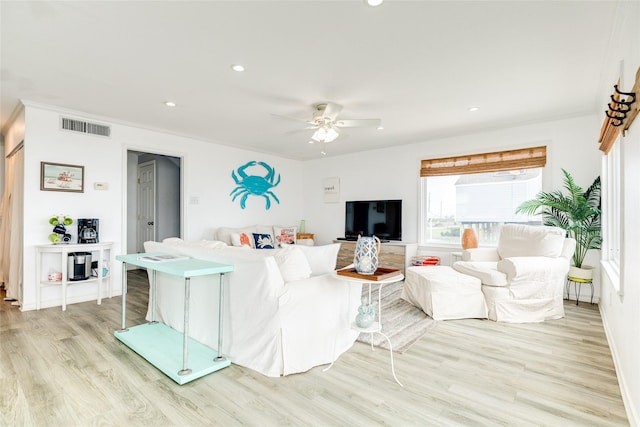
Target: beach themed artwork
x: 255, y: 179
x: 61, y: 177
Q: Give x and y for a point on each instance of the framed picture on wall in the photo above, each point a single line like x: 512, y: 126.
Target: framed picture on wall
x: 61, y: 177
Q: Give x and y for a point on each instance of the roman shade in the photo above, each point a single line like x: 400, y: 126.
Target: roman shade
x: 526, y: 158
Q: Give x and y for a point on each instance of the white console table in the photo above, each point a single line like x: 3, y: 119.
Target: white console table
x: 158, y: 343
x: 62, y: 250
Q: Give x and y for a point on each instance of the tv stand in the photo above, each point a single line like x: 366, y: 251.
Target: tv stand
x: 392, y: 254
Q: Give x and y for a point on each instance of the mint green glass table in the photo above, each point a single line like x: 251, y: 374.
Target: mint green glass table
x: 158, y: 343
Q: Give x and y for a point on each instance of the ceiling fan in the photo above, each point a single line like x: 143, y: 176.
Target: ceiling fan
x: 327, y: 125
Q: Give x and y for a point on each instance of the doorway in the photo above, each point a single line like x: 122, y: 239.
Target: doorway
x: 154, y: 198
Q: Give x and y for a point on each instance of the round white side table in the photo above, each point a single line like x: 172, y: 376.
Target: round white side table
x: 376, y: 327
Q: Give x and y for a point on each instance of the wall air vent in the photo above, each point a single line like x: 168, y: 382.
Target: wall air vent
x: 84, y: 127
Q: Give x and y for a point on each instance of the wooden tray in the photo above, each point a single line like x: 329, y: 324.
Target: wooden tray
x: 380, y: 274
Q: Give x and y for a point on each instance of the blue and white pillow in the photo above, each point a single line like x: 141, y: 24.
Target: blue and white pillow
x: 263, y: 241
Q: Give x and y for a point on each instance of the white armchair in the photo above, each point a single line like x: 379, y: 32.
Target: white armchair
x: 523, y: 278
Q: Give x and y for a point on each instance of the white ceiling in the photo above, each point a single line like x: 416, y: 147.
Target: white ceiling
x: 416, y: 65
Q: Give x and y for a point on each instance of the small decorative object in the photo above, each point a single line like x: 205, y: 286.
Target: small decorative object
x: 55, y: 277
x: 366, y: 314
x: 303, y: 227
x: 59, y: 177
x: 365, y: 258
x: 469, y: 239
x: 59, y: 223
x: 255, y: 185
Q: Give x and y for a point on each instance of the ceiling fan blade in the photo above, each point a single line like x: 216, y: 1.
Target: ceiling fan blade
x: 295, y: 119
x: 358, y: 123
x: 331, y: 111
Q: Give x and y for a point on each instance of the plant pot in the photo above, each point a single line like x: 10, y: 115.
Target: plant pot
x: 584, y: 273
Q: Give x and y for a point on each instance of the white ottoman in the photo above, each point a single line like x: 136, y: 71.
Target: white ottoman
x: 443, y: 293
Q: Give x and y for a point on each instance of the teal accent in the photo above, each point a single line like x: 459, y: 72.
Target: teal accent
x: 161, y: 346
x: 255, y: 185
x: 189, y: 267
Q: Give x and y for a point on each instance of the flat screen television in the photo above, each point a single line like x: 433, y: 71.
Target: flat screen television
x: 382, y: 218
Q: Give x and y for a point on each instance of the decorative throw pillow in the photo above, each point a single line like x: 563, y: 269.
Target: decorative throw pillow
x: 285, y: 235
x: 241, y: 239
x: 263, y: 241
x: 322, y: 259
x: 293, y: 264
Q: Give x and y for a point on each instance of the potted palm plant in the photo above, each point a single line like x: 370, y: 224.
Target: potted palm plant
x: 577, y: 212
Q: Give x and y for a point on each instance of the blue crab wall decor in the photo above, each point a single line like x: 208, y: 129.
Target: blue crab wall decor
x: 254, y: 185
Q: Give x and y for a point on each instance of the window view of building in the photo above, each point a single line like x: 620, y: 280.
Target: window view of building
x: 480, y: 201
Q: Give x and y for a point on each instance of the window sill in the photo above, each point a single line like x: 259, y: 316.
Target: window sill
x: 612, y: 272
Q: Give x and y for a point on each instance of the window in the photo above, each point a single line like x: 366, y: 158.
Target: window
x: 481, y: 191
x: 482, y: 201
x: 612, y: 190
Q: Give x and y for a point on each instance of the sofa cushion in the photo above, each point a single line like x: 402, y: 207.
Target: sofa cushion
x: 486, y: 271
x: 517, y: 240
x: 322, y: 259
x: 292, y: 263
x: 263, y: 241
x: 285, y: 235
x: 177, y: 241
x: 242, y: 239
x: 224, y: 233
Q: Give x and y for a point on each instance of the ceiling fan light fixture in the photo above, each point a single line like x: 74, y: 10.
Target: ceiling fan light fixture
x: 332, y: 135
x: 319, y: 135
x: 325, y: 133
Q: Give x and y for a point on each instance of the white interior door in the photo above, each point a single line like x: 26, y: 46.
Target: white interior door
x: 146, y: 203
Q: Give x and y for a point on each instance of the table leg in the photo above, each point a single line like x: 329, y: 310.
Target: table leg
x: 185, y: 341
x: 64, y: 296
x: 152, y: 297
x: 220, y: 306
x: 124, y: 298
x: 393, y: 370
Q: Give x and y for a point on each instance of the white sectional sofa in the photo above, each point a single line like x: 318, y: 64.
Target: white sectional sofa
x: 284, y: 310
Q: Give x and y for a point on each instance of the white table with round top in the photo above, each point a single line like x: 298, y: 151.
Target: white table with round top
x: 376, y: 327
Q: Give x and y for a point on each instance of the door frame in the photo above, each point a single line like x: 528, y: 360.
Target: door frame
x: 128, y: 180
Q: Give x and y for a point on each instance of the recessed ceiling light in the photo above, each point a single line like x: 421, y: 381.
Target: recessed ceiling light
x: 311, y: 141
x: 472, y: 109
x: 237, y: 67
x: 380, y: 128
x: 374, y: 2
x: 170, y: 103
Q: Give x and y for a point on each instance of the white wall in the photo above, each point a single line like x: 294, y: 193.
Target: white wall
x: 393, y: 173
x: 207, y: 175
x: 621, y: 313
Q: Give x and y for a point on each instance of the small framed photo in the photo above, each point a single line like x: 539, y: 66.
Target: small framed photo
x: 61, y: 177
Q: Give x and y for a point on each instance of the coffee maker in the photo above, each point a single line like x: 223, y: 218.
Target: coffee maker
x: 79, y: 265
x: 88, y: 230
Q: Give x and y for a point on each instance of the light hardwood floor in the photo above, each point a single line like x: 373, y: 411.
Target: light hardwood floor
x: 67, y: 369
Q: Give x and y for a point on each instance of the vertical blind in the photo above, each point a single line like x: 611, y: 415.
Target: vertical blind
x: 526, y: 158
